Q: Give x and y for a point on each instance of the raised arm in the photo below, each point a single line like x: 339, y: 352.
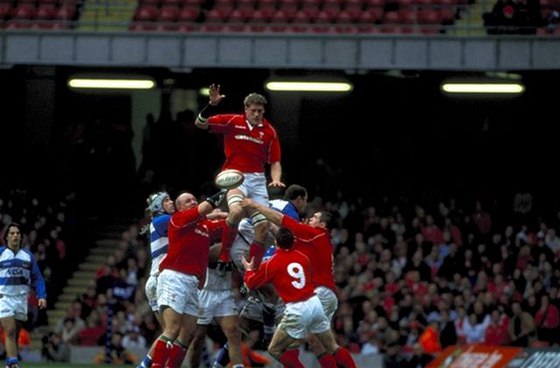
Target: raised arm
x: 271, y: 214
x: 201, y: 120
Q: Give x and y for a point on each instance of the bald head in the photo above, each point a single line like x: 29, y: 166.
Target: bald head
x: 185, y: 201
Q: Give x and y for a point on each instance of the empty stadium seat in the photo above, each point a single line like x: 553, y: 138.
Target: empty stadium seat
x: 5, y: 10
x: 46, y: 11
x: 168, y: 13
x: 24, y: 11
x: 189, y: 14
x: 146, y: 13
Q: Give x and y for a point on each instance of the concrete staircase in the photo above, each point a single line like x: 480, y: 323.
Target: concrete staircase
x: 107, y: 15
x: 471, y: 22
x: 107, y: 243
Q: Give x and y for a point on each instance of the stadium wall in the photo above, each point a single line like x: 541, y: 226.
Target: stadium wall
x: 332, y: 52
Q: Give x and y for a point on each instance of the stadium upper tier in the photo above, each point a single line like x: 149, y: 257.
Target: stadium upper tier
x: 332, y: 34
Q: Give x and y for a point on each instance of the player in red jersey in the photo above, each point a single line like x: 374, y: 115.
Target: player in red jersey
x: 312, y: 239
x: 290, y: 272
x: 182, y: 274
x: 250, y: 144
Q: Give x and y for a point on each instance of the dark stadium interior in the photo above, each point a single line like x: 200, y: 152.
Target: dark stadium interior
x: 395, y: 131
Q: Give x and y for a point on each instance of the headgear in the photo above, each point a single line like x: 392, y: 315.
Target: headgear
x: 155, y: 203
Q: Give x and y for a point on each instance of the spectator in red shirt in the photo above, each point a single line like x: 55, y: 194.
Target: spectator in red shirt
x: 547, y: 320
x: 497, y: 330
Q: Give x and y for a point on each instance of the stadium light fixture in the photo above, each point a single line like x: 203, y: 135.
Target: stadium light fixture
x: 111, y: 83
x: 304, y: 86
x: 483, y: 88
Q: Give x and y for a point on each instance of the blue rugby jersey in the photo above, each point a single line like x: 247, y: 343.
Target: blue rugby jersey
x: 18, y: 272
x: 159, y: 240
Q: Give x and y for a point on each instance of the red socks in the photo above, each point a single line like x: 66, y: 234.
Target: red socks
x: 228, y: 236
x: 344, y: 358
x: 257, y: 251
x: 327, y: 360
x: 290, y: 359
x: 162, y: 349
x: 176, y: 356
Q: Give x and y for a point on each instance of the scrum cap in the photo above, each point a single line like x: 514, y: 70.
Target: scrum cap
x: 155, y: 203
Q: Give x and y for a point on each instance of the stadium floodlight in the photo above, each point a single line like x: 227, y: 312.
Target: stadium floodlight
x: 304, y: 86
x: 483, y: 88
x: 111, y: 83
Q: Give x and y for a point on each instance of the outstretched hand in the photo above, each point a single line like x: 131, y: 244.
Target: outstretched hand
x: 248, y: 265
x: 215, y: 95
x: 276, y: 184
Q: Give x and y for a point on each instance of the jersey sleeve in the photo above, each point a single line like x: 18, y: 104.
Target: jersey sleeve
x: 38, y: 281
x: 161, y: 224
x: 219, y: 123
x: 300, y: 230
x: 254, y: 279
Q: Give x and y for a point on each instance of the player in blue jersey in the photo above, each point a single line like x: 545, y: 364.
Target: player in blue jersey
x: 18, y: 270
x: 160, y: 208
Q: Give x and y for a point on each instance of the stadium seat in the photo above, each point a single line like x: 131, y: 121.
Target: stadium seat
x: 344, y: 17
x: 345, y: 28
x: 149, y: 2
x: 189, y: 14
x: 374, y: 3
x: 236, y: 16
x: 279, y: 16
x: 322, y: 17
x: 66, y: 12
x: 258, y: 16
x: 301, y: 17
x: 177, y: 3
x: 146, y: 13
x: 24, y: 11
x: 168, y: 13
x: 266, y: 4
x: 46, y: 11
x: 197, y: 3
x: 429, y: 16
x: 370, y: 15
x: 5, y: 10
x: 187, y: 27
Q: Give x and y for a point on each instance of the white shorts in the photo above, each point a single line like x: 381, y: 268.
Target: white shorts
x: 151, y: 292
x: 215, y: 303
x: 254, y: 187
x: 304, y: 318
x: 178, y: 291
x: 14, y: 306
x: 328, y: 299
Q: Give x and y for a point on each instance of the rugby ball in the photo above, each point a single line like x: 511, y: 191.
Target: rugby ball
x: 229, y: 179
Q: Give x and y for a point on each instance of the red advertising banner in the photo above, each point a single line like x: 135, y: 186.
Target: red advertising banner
x: 475, y: 356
